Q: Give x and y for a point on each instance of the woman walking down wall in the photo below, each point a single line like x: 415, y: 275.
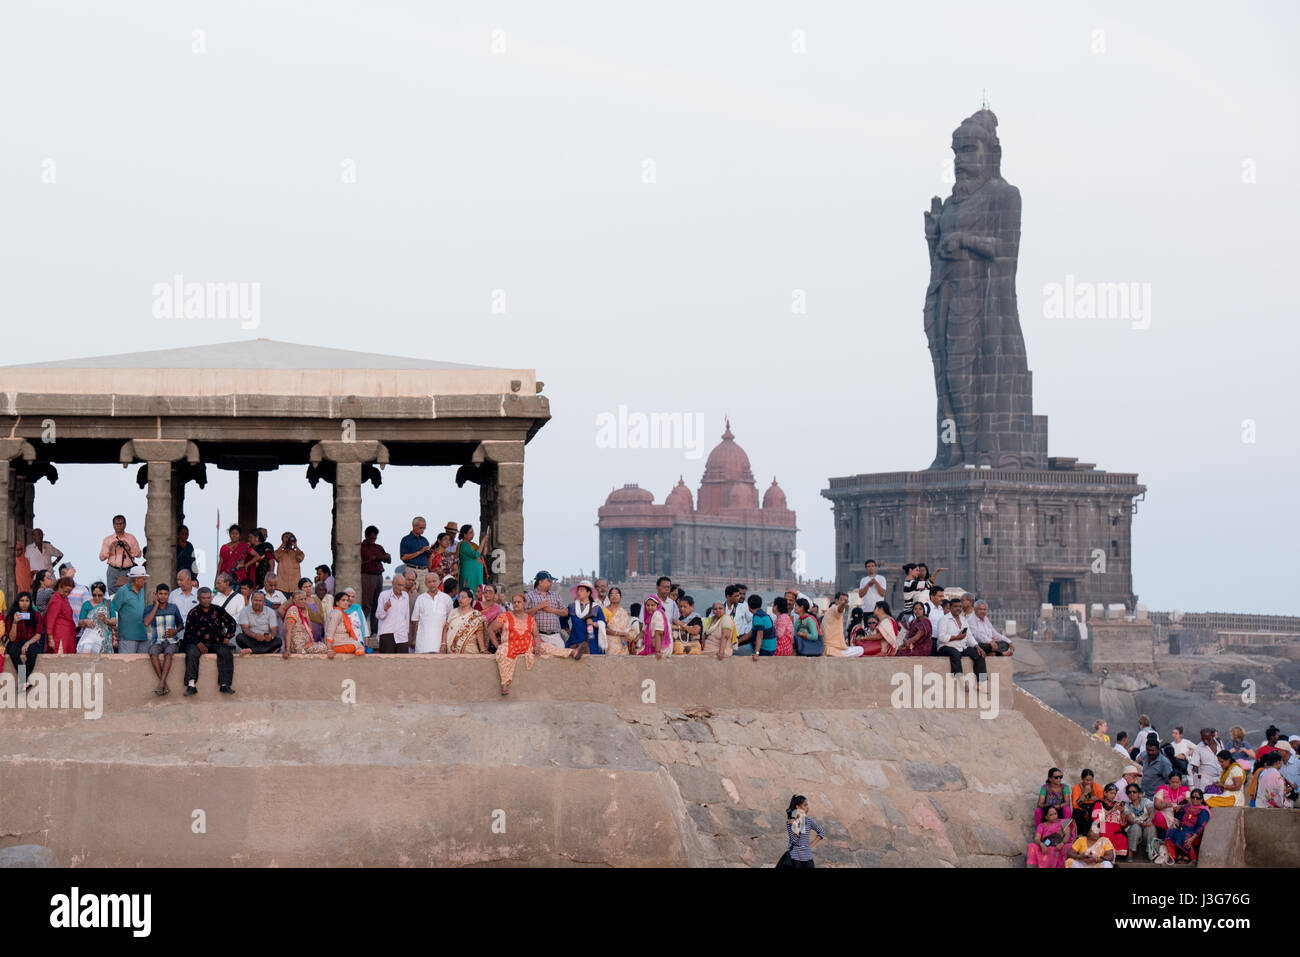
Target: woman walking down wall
x: 802, y: 832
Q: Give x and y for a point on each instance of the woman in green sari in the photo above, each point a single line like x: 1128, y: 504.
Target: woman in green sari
x: 471, y: 561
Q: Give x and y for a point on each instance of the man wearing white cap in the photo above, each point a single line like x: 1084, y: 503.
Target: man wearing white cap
x: 1132, y: 775
x: 129, y: 609
x: 1290, y: 767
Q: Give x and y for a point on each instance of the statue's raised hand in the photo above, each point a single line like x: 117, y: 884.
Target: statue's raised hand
x: 932, y: 218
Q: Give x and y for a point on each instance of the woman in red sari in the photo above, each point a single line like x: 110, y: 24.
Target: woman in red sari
x: 783, y: 625
x: 60, y: 622
x: 1109, y: 813
x: 231, y: 557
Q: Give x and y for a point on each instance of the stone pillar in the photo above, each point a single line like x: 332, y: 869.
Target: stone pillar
x: 247, y: 500
x: 349, y: 459
x: 159, y: 456
x: 11, y: 486
x: 508, y: 530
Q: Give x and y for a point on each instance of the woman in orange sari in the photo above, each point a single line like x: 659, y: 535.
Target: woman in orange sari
x: 340, y: 633
x: 299, y: 639
x: 516, y: 634
x: 1083, y: 797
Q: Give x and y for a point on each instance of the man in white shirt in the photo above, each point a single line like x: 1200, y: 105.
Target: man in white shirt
x: 990, y: 640
x: 393, y: 612
x: 936, y: 611
x: 274, y: 597
x: 955, y: 643
x: 227, y: 598
x: 663, y: 587
x: 185, y: 597
x: 41, y: 555
x: 735, y: 605
x: 1203, y: 761
x: 430, y: 616
x: 872, y: 587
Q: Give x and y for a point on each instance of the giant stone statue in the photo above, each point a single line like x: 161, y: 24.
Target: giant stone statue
x: 985, y: 415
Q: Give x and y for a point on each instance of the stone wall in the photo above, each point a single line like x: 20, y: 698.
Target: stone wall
x: 608, y: 761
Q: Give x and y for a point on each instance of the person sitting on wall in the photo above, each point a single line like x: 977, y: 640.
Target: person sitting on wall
x: 1084, y: 796
x: 955, y: 643
x: 719, y: 631
x: 258, y: 628
x: 990, y: 640
x: 919, y: 640
x: 208, y: 629
x: 1141, y: 831
x: 688, y: 629
x: 586, y: 620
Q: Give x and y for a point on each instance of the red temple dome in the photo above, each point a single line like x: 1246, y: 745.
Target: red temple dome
x: 774, y: 497
x: 630, y: 494
x: 728, y: 481
x: 679, y: 500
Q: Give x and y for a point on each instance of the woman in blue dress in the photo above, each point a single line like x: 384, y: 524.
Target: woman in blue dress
x: 586, y: 620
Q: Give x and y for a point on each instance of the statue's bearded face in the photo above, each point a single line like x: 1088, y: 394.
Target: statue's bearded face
x: 972, y: 163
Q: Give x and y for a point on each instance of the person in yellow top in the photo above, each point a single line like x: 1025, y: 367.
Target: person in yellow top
x: 1232, y: 778
x: 1099, y: 731
x: 1092, y: 850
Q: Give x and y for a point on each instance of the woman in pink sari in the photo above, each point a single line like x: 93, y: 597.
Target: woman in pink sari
x: 1051, y: 838
x: 658, y: 637
x: 1169, y: 801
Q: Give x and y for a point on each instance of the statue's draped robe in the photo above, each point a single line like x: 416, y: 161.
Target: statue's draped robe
x: 973, y: 327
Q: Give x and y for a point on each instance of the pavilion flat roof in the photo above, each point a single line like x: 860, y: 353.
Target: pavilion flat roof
x: 262, y: 367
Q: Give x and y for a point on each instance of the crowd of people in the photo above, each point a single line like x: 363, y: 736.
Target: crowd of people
x: 441, y: 600
x: 1158, y: 809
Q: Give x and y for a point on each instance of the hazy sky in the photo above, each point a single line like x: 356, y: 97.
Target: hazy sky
x: 645, y: 188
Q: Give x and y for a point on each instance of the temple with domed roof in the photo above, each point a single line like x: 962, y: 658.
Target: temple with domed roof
x: 723, y: 534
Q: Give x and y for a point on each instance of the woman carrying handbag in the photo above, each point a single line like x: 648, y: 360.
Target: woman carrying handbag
x: 804, y: 834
